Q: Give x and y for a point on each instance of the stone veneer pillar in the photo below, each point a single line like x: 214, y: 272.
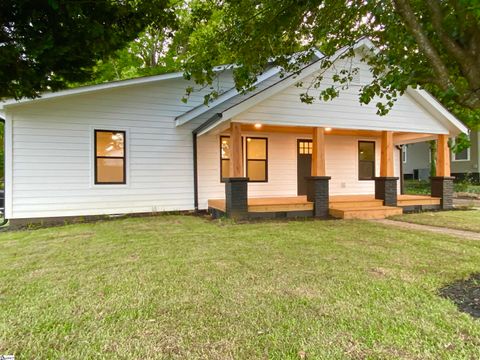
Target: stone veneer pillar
x: 442, y: 187
x: 386, y: 190
x: 318, y: 193
x: 236, y: 197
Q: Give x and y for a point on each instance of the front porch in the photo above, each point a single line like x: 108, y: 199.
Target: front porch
x: 329, y: 162
x: 340, y: 206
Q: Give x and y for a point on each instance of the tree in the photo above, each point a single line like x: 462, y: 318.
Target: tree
x: 149, y: 54
x: 46, y: 44
x: 421, y: 43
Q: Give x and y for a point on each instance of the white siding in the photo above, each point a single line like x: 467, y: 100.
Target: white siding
x: 341, y: 165
x: 345, y: 111
x: 53, y: 152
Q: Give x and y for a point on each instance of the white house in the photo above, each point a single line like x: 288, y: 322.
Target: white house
x: 134, y: 147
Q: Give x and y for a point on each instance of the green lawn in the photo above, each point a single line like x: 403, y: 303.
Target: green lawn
x: 458, y: 219
x: 185, y: 287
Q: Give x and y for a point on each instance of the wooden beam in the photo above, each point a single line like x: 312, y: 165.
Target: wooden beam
x: 304, y: 130
x: 236, y: 164
x: 411, y: 138
x: 318, y: 152
x: 386, y: 162
x: 443, y: 156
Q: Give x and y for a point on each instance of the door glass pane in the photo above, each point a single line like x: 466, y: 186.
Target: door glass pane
x: 257, y: 148
x: 110, y: 171
x: 257, y: 170
x: 110, y: 143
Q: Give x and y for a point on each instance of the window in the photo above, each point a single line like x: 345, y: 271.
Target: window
x: 305, y: 147
x: 224, y: 157
x: 257, y: 159
x: 404, y: 154
x: 110, y: 157
x: 366, y: 160
x: 463, y: 155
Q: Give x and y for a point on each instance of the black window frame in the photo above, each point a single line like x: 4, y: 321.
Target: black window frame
x: 124, y: 157
x: 222, y: 179
x: 264, y: 160
x: 369, y: 161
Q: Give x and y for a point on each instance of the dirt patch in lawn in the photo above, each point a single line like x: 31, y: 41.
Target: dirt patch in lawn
x: 465, y: 294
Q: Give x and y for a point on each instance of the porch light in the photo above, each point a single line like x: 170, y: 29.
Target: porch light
x: 328, y: 129
x: 258, y: 126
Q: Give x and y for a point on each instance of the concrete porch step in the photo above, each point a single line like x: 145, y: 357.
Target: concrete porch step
x: 374, y: 212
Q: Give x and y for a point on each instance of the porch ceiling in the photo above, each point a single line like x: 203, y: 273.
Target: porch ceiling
x: 399, y: 138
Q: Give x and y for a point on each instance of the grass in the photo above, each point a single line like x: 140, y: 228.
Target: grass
x: 458, y: 219
x: 422, y: 187
x: 184, y: 287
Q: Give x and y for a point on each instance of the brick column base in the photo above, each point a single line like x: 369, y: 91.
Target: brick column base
x: 386, y: 190
x: 236, y: 197
x: 442, y: 187
x: 318, y: 193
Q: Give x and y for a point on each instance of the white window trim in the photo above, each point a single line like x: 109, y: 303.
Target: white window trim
x: 454, y: 155
x: 92, y: 157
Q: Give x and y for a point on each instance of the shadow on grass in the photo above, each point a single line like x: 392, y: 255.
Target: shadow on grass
x: 465, y: 294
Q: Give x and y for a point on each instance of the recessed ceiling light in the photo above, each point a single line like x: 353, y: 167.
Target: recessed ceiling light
x: 328, y: 129
x: 258, y: 126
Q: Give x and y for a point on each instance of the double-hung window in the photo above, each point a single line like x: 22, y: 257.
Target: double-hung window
x: 224, y: 157
x: 257, y: 159
x: 110, y: 159
x: 366, y: 160
x: 255, y: 156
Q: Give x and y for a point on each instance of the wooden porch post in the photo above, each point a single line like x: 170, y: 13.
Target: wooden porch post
x: 443, y: 156
x: 318, y: 152
x: 386, y: 162
x: 317, y: 184
x: 386, y: 183
x: 236, y: 186
x: 236, y: 163
x: 442, y: 184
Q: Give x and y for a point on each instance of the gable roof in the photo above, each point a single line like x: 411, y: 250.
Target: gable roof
x: 103, y: 86
x: 227, y: 108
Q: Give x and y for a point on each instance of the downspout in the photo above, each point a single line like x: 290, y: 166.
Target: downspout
x: 195, y: 172
x: 5, y: 220
x: 195, y: 132
x: 400, y: 147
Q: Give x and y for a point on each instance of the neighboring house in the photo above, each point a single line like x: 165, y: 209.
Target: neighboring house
x: 465, y: 164
x: 134, y: 147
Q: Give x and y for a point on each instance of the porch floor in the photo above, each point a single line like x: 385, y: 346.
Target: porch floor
x: 341, y: 206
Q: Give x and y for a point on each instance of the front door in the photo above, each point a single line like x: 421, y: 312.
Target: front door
x: 304, y: 164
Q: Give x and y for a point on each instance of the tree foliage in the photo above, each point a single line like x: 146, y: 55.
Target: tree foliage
x: 46, y: 44
x: 151, y: 53
x: 421, y: 43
